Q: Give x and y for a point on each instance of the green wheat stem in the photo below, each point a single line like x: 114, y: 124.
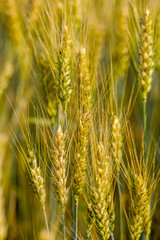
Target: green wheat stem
x: 145, y: 140
x: 143, y: 236
x: 76, y: 220
x: 89, y: 234
x: 112, y: 236
x: 63, y: 222
x: 45, y: 216
x: 120, y: 207
x: 70, y: 176
x: 145, y: 130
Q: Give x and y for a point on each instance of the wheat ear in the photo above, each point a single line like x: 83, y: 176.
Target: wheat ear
x: 37, y: 181
x: 146, y: 63
x: 64, y: 70
x: 101, y: 196
x: 79, y: 163
x: 59, y: 175
x: 116, y: 148
x: 139, y: 214
x: 146, y: 67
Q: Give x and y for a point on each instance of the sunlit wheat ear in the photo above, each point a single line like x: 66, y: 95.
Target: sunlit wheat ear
x: 146, y: 62
x: 59, y: 173
x: 64, y: 70
x: 101, y: 196
x: 37, y: 181
x: 79, y: 163
x: 48, y: 86
x: 11, y: 21
x: 116, y: 141
x: 139, y: 213
x: 90, y: 220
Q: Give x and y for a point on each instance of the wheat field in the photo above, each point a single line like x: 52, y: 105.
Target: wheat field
x: 79, y: 119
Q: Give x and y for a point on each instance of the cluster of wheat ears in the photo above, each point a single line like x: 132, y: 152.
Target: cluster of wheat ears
x: 79, y: 119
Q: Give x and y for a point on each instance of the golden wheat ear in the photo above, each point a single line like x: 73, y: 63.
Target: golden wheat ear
x: 139, y: 214
x: 37, y: 181
x: 59, y: 163
x: 59, y: 174
x: 146, y: 62
x: 116, y: 141
x: 64, y: 70
x: 101, y: 195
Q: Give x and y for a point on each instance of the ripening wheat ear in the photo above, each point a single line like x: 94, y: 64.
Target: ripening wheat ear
x: 140, y: 205
x: 101, y: 195
x: 59, y: 163
x: 116, y: 149
x: 79, y: 162
x: 37, y: 181
x: 146, y: 62
x: 64, y: 70
x: 59, y: 174
x: 116, y: 141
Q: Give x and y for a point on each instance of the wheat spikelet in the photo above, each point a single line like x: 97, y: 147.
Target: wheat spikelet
x: 146, y: 63
x: 116, y: 141
x: 64, y: 70
x: 37, y: 181
x: 90, y: 220
x: 139, y: 215
x: 59, y: 163
x: 101, y: 196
